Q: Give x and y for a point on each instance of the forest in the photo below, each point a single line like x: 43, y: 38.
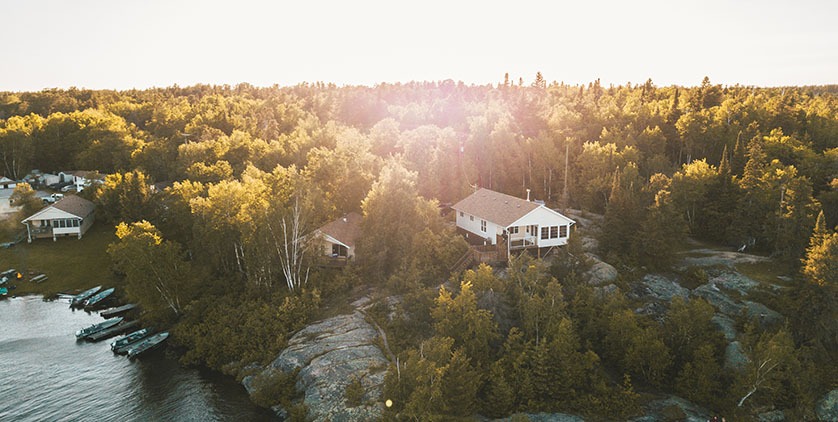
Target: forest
x: 211, y: 191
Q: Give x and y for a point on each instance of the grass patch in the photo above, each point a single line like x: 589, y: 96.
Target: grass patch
x: 766, y: 272
x: 71, y: 264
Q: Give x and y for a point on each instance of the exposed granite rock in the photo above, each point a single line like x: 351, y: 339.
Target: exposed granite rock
x: 773, y: 416
x: 764, y: 314
x: 827, y: 407
x: 673, y: 408
x: 601, y: 273
x: 658, y: 287
x: 725, y: 324
x: 542, y: 417
x: 735, y: 358
x: 331, y: 354
x: 734, y: 281
x: 717, y: 298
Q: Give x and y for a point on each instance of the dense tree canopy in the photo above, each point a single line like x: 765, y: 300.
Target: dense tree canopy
x: 247, y: 174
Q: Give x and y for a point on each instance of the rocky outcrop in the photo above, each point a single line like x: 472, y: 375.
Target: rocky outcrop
x: 772, y: 416
x: 542, y: 417
x: 659, y: 288
x: 735, y: 357
x: 673, y: 408
x: 827, y: 407
x: 330, y: 355
x: 601, y: 273
x: 725, y: 324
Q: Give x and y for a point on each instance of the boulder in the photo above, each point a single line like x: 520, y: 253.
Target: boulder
x: 601, y: 273
x: 735, y: 358
x: 827, y: 407
x: 331, y: 354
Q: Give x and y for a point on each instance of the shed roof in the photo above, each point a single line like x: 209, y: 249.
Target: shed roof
x: 345, y: 229
x: 499, y: 208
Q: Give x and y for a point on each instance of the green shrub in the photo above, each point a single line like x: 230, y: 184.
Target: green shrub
x: 275, y: 387
x: 354, y: 393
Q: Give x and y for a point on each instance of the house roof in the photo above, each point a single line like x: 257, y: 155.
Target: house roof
x: 345, y: 229
x: 74, y: 205
x: 496, y: 207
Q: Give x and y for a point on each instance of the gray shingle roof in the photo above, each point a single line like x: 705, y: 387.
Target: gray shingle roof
x: 75, y: 205
x: 495, y: 207
x: 345, y: 229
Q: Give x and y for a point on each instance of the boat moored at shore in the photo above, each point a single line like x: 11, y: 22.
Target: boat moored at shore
x: 78, y: 300
x: 148, y: 344
x: 95, y: 328
x: 122, y: 345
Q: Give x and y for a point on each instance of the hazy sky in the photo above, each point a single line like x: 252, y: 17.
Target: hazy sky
x: 137, y: 44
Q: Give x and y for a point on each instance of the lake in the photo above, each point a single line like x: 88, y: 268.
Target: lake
x: 46, y: 375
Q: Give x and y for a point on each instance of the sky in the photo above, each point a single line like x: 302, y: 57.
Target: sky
x: 116, y: 44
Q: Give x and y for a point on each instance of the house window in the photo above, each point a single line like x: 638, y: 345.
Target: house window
x: 554, y: 232
x: 545, y: 233
x: 513, y: 230
x: 483, y: 225
x: 471, y: 217
x: 562, y: 231
x: 461, y: 214
x: 339, y: 250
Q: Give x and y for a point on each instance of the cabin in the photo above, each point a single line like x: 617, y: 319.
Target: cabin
x: 6, y: 183
x: 71, y: 216
x: 504, y: 223
x: 338, y: 239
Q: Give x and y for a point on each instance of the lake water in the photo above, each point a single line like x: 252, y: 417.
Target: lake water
x: 46, y: 375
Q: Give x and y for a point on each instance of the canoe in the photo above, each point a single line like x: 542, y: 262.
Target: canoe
x: 39, y: 278
x: 110, y: 332
x: 4, y: 291
x: 122, y: 344
x: 147, y: 344
x: 98, y: 298
x: 116, y: 311
x: 79, y: 299
x: 108, y: 323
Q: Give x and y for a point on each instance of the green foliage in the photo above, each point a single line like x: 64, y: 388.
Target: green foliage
x: 157, y: 275
x: 275, y: 387
x: 354, y: 393
x: 24, y: 197
x: 124, y: 197
x: 228, y: 332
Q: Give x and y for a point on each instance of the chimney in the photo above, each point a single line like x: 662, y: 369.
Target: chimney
x: 344, y: 218
x: 528, y: 195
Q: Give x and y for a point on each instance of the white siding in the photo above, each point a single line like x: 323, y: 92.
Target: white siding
x: 544, y: 217
x: 492, y: 229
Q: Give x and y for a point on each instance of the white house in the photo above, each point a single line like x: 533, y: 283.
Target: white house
x: 338, y: 237
x: 6, y: 183
x: 71, y: 216
x: 492, y: 218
